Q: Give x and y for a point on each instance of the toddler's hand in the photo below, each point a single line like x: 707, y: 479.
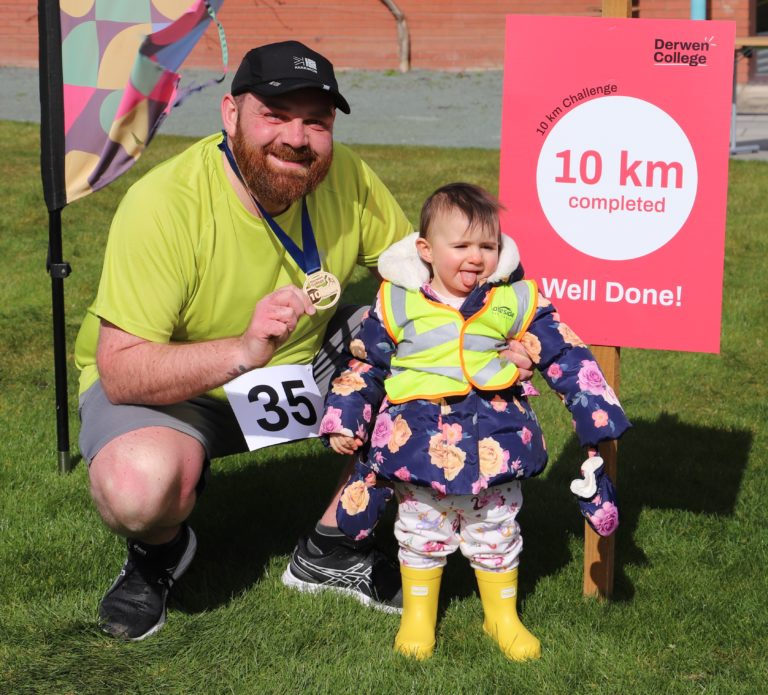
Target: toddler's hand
x: 596, y: 496
x: 342, y: 444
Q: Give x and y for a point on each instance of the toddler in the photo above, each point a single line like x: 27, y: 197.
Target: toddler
x: 431, y: 409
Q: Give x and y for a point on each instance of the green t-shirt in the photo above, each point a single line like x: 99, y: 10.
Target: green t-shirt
x: 186, y: 262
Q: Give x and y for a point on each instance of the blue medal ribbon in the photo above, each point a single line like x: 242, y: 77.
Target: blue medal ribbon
x: 308, y: 259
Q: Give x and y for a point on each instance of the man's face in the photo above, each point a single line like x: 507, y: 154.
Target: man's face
x: 284, y: 145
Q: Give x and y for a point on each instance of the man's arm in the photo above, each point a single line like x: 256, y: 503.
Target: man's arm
x: 134, y: 370
x: 517, y: 354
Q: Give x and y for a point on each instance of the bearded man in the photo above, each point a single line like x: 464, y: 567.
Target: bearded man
x: 200, y: 284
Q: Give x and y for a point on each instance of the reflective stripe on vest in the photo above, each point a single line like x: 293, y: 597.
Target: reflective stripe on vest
x: 439, y: 354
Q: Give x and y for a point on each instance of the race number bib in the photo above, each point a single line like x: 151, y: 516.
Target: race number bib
x: 274, y: 405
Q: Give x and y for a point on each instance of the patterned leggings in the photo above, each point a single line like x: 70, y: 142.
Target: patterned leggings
x: 431, y: 526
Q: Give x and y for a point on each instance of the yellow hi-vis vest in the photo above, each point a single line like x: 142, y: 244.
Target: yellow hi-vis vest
x: 439, y: 354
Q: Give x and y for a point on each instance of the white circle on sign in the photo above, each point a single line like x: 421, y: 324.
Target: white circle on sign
x: 617, y: 178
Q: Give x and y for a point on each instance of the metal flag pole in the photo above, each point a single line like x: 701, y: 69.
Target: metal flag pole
x: 59, y: 270
x: 52, y: 171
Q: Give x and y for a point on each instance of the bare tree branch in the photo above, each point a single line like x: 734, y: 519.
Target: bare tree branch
x: 403, y: 37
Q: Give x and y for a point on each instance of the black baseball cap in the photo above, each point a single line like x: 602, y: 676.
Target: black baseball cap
x: 278, y: 68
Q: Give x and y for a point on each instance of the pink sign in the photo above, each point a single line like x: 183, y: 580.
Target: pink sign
x: 614, y: 172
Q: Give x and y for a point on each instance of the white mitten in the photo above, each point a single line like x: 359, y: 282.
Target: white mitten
x: 587, y: 487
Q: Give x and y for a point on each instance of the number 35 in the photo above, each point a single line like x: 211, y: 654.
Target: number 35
x: 273, y: 406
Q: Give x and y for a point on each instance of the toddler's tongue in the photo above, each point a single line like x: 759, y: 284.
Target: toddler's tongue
x: 469, y: 278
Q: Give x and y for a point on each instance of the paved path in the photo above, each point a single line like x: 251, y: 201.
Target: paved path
x: 420, y: 107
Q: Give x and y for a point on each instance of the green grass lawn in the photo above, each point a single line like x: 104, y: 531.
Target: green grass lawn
x: 689, y: 615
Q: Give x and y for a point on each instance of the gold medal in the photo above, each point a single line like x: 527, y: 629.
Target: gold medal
x: 323, y: 289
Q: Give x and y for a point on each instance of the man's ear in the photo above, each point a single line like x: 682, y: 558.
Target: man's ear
x: 424, y: 250
x: 229, y: 114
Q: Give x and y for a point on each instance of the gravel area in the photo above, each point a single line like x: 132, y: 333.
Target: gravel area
x: 441, y: 109
x: 428, y: 108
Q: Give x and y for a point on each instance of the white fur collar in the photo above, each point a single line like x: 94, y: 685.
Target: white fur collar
x: 401, y: 265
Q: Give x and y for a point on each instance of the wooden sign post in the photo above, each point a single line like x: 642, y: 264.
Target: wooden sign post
x: 599, y: 552
x: 617, y: 8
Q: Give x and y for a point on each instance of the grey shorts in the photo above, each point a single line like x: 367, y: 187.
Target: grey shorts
x: 212, y: 422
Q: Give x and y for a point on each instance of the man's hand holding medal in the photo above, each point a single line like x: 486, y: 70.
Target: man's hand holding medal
x: 274, y: 319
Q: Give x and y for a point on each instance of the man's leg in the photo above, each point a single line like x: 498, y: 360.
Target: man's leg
x: 326, y: 558
x: 146, y: 469
x: 143, y: 484
x: 329, y: 515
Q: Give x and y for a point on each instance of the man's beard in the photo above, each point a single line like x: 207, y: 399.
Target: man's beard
x: 278, y: 188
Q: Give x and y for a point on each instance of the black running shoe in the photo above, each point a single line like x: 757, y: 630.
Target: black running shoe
x: 362, y: 572
x: 134, y: 606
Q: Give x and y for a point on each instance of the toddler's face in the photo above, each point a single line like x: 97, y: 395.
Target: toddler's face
x: 460, y: 257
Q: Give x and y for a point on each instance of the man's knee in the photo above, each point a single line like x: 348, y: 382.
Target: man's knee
x: 146, y: 478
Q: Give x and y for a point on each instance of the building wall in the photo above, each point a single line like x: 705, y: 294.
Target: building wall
x: 445, y: 34
x: 18, y: 33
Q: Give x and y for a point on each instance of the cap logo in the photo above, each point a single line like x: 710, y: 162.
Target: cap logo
x: 304, y: 64
x: 274, y: 83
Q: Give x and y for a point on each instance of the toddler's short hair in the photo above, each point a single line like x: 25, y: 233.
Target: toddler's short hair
x: 478, y: 205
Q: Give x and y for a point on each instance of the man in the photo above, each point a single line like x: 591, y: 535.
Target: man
x: 200, y: 284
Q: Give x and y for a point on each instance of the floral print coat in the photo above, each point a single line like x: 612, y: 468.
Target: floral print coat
x: 463, y: 444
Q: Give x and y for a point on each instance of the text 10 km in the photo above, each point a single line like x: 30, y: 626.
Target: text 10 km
x: 635, y: 172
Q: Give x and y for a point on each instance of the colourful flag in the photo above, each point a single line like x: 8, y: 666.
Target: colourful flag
x: 108, y: 77
x: 116, y: 81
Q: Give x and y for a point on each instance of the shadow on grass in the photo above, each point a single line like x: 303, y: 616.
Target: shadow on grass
x: 662, y: 464
x: 255, y: 507
x: 254, y: 512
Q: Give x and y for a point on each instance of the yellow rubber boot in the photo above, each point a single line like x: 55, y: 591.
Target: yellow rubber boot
x: 498, y: 593
x: 421, y: 589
